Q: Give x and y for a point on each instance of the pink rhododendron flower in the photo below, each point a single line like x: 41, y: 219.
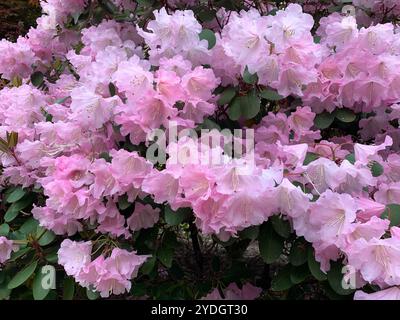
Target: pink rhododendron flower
x: 144, y: 216
x: 6, y: 248
x: 73, y: 256
x: 387, y: 294
x: 233, y: 292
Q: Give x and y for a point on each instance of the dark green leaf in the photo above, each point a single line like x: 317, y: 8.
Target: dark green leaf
x: 335, y: 278
x: 206, y: 14
x: 22, y: 276
x: 92, y: 295
x: 4, y: 230
x: 270, y: 243
x: 234, y: 111
x: 299, y: 274
x: 351, y: 158
x: 16, y: 207
x: 226, y: 96
x: 210, y: 125
x: 250, y: 233
x: 39, y: 293
x: 149, y: 265
x: 4, y: 291
x: 314, y: 266
x: 298, y: 253
x: 19, y: 254
x: 250, y: 105
x: 166, y: 252
x: 392, y: 213
x: 281, y: 281
x: 47, y: 237
x: 248, y: 77
x: 112, y: 89
x: 208, y: 35
x: 68, y: 288
x: 37, y: 79
x: 123, y: 203
x: 376, y: 169
x: 324, y: 120
x: 270, y: 95
x: 282, y: 227
x: 345, y: 115
x: 16, y: 195
x: 175, y: 218
x: 310, y: 157
x: 30, y: 226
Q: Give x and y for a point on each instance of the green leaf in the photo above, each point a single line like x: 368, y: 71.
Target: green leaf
x: 351, y: 158
x: 208, y: 35
x: 30, y: 226
x: 11, y: 213
x: 112, y: 89
x: 37, y: 79
x: 16, y: 207
x: 216, y: 264
x: 210, y: 125
x: 16, y: 195
x: 226, y: 96
x: 148, y: 266
x: 299, y: 274
x: 392, y: 213
x: 166, y: 252
x: 282, y: 281
x: 310, y: 157
x: 4, y: 230
x: 68, y: 288
x: 345, y: 115
x: 234, y: 111
x: 19, y: 254
x: 335, y: 278
x: 4, y: 291
x: 281, y: 227
x: 39, y: 293
x: 298, y: 253
x: 51, y: 254
x: 174, y: 218
x: 123, y: 203
x: 250, y: 105
x: 250, y: 233
x: 314, y: 266
x: 206, y: 14
x: 317, y: 39
x: 91, y: 294
x: 376, y: 169
x: 139, y: 289
x: 324, y: 120
x: 248, y: 77
x: 22, y: 276
x: 270, y: 243
x: 270, y: 95
x: 45, y: 239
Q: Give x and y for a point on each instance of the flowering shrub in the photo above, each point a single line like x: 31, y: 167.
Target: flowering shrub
x: 297, y: 196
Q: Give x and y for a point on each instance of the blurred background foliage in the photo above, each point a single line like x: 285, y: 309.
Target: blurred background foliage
x: 17, y: 16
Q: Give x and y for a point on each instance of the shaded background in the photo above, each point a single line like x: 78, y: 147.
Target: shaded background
x: 17, y: 16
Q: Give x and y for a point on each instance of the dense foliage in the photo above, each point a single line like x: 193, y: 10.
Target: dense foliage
x: 94, y: 197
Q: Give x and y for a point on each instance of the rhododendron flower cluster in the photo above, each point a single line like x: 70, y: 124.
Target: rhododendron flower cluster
x: 129, y: 133
x: 107, y: 275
